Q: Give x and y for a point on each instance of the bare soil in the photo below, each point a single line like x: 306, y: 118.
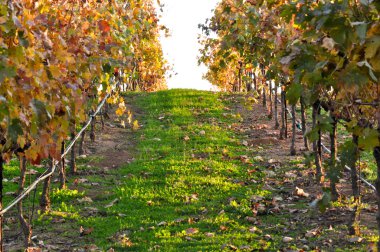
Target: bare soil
x: 291, y: 173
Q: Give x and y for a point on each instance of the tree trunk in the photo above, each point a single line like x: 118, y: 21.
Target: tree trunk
x: 277, y: 125
x: 62, y: 171
x: 105, y: 111
x: 254, y: 81
x: 81, y: 143
x: 283, y: 116
x: 239, y: 77
x: 286, y: 115
x: 317, y: 144
x: 249, y: 83
x: 293, y: 151
x: 354, y: 228
x: 73, y: 165
x: 304, y: 127
x: 376, y: 154
x: 25, y: 226
x: 102, y: 119
x: 1, y: 203
x: 45, y: 196
x: 92, y: 128
x: 270, y: 100
x: 264, y: 96
x: 334, y: 175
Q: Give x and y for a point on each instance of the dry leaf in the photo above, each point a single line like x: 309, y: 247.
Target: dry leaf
x: 314, y: 232
x: 162, y: 223
x: 104, y: 26
x: 84, y: 232
x: 85, y: 200
x: 355, y: 239
x: 223, y: 228
x: 210, y: 234
x: 300, y: 192
x: 33, y: 249
x: 191, y: 231
x: 112, y: 203
x: 287, y: 239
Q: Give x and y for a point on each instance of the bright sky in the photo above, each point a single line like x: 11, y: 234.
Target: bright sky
x: 181, y: 48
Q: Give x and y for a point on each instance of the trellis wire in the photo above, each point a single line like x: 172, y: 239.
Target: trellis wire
x: 48, y: 173
x: 346, y: 166
x: 349, y: 169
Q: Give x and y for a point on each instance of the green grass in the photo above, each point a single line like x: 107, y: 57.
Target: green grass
x: 176, y: 185
x: 187, y: 190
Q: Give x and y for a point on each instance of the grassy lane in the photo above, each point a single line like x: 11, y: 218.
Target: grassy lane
x: 202, y: 179
x: 188, y: 189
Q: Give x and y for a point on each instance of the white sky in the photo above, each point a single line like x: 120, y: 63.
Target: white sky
x: 181, y: 48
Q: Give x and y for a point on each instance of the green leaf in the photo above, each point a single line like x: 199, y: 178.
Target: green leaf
x: 294, y: 93
x: 23, y: 41
x: 40, y: 111
x: 15, y: 130
x: 369, y: 139
x: 372, y: 47
x: 361, y: 31
x: 7, y: 72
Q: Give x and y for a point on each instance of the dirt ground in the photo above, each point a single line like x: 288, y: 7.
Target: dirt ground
x: 261, y: 131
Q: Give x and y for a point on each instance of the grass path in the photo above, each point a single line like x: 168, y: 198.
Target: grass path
x: 203, y: 174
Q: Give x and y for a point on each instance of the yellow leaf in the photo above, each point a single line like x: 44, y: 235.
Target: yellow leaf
x: 119, y: 112
x: 136, y: 125
x: 3, y: 20
x: 21, y: 141
x: 55, y: 71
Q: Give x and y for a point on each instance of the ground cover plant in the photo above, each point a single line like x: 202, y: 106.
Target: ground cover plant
x: 205, y: 172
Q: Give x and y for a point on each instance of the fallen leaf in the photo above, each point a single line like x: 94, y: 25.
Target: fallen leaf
x: 287, y: 239
x: 253, y: 229
x: 186, y: 138
x: 111, y: 204
x: 250, y: 219
x: 162, y: 223
x: 179, y: 220
x: 191, y: 231
x: 223, y: 228
x: 272, y: 161
x: 31, y: 172
x: 355, y: 239
x: 202, y: 132
x: 33, y: 249
x: 104, y: 26
x: 312, y: 233
x: 83, y: 232
x: 290, y: 175
x: 82, y: 180
x: 300, y: 192
x: 245, y: 247
x: 210, y: 234
x: 270, y: 174
x: 85, y: 200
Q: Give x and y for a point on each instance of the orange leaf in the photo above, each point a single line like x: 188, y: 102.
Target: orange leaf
x: 104, y: 26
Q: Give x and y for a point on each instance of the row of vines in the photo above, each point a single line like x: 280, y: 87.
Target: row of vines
x: 58, y: 60
x: 322, y: 55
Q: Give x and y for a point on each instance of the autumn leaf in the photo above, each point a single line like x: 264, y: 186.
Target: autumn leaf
x: 104, y: 26
x: 191, y: 231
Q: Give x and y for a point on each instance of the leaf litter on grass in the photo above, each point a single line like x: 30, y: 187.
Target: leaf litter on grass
x: 206, y: 174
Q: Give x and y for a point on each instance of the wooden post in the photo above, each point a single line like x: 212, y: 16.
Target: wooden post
x: 1, y: 203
